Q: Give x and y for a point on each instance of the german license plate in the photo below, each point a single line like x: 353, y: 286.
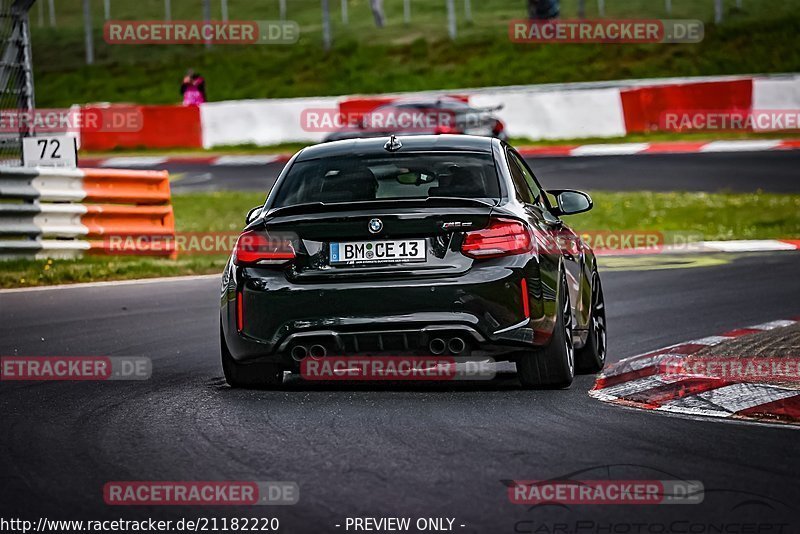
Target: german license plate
x: 408, y: 250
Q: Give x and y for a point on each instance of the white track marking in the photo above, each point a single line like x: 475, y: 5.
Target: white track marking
x: 85, y: 285
x: 622, y: 149
x: 134, y: 161
x: 741, y: 146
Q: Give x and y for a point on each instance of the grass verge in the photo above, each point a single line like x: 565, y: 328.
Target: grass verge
x: 760, y: 37
x: 715, y: 216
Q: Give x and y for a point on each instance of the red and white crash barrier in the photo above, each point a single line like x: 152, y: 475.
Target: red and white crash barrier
x: 667, y: 147
x: 550, y: 111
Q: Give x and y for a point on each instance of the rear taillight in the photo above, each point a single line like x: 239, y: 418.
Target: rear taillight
x: 503, y: 237
x: 258, y: 248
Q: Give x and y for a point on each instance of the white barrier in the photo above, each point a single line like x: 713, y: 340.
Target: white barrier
x: 772, y: 94
x: 526, y: 113
x: 782, y: 94
x: 559, y: 114
x: 260, y: 122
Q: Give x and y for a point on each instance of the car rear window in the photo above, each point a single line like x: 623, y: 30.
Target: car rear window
x: 390, y: 176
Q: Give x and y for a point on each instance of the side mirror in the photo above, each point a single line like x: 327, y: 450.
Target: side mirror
x: 253, y: 214
x: 571, y: 202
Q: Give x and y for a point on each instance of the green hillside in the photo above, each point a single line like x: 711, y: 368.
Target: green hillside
x: 761, y: 37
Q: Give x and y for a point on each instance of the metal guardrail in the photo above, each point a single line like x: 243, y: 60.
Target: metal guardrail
x: 48, y: 212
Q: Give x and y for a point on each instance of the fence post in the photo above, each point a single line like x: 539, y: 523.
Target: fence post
x: 451, y: 20
x: 225, y: 10
x: 282, y: 9
x: 326, y: 25
x: 668, y: 7
x: 601, y: 8
x: 51, y: 4
x: 87, y: 31
x: 468, y: 10
x: 581, y: 9
x: 718, y: 11
x: 407, y: 12
x: 107, y: 9
x: 345, y: 17
x: 207, y: 18
x: 167, y: 10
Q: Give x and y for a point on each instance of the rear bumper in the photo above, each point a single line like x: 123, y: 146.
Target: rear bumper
x: 484, y: 307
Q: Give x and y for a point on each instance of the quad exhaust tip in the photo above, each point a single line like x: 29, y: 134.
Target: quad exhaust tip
x: 299, y: 352
x: 317, y: 351
x: 437, y: 346
x: 456, y: 345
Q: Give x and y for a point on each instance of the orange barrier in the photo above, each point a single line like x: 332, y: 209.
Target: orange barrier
x: 144, y: 226
x: 124, y: 186
x: 103, y: 220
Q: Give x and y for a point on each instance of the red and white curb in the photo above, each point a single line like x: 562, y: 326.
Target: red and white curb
x: 619, y: 149
x: 642, y: 382
x: 667, y: 147
x: 123, y: 162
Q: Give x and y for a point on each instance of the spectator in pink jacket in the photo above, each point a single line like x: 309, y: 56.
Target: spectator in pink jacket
x: 193, y: 89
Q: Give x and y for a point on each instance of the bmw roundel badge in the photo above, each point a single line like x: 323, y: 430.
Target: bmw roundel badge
x: 375, y: 226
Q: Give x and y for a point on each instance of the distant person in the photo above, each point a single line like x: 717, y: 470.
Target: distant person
x: 543, y: 9
x: 193, y: 89
x: 377, y: 12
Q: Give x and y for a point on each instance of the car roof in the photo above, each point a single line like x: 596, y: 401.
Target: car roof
x: 411, y: 143
x: 423, y: 101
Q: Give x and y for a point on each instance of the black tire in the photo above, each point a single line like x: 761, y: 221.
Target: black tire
x: 592, y: 357
x: 251, y: 375
x: 552, y: 367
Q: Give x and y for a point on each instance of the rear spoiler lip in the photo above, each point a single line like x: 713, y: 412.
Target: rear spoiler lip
x: 321, y: 207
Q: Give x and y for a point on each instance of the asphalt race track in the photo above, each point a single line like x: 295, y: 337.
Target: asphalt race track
x: 731, y: 171
x: 418, y: 451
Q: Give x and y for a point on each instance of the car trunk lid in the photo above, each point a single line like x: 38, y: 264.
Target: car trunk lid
x: 436, y: 224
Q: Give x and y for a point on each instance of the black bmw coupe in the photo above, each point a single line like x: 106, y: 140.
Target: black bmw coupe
x: 421, y: 245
